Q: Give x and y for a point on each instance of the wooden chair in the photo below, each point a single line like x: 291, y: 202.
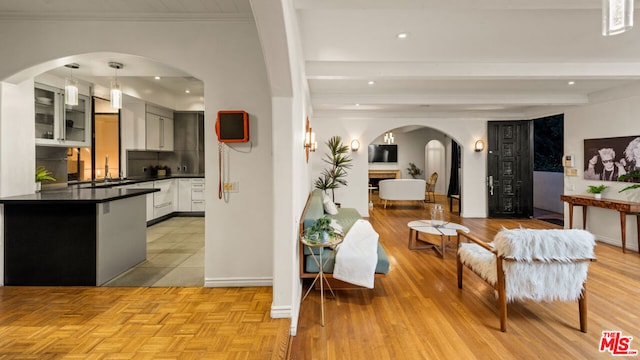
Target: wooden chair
x: 540, y: 265
x: 431, y: 187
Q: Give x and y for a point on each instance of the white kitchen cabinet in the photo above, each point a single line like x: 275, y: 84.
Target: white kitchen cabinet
x: 197, y: 194
x: 191, y: 195
x: 57, y: 124
x: 184, y: 195
x: 133, y: 124
x: 159, y: 129
x: 165, y: 200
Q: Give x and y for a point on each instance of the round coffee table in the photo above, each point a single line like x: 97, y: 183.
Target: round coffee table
x: 447, y: 230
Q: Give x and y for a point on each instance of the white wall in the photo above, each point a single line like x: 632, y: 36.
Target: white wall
x: 546, y: 191
x: 607, y: 119
x: 464, y: 131
x: 278, y: 29
x: 227, y: 57
x: 17, y: 135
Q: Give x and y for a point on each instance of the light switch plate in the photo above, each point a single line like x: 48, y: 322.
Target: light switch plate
x: 571, y: 171
x: 231, y: 187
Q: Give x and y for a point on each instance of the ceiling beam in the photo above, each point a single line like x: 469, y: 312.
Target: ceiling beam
x: 337, y: 70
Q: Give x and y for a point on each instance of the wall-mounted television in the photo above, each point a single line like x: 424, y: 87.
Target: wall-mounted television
x: 383, y: 153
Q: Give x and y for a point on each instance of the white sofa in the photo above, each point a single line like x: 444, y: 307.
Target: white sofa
x: 402, y: 189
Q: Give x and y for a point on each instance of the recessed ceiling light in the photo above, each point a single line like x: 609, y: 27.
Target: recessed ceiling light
x: 357, y: 104
x: 571, y: 83
x: 402, y: 35
x: 187, y: 91
x: 371, y: 82
x: 157, y: 77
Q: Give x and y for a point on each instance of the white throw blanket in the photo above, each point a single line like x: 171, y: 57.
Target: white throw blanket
x: 357, y: 256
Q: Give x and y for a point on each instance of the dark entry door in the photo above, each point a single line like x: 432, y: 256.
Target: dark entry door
x: 510, y: 169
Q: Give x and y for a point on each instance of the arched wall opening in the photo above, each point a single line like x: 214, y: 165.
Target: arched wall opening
x: 139, y: 92
x: 423, y: 146
x: 227, y: 56
x: 436, y: 162
x: 464, y: 131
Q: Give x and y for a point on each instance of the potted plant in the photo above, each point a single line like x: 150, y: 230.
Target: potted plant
x: 596, y: 190
x: 321, y: 231
x: 339, y: 160
x: 42, y: 174
x: 413, y: 170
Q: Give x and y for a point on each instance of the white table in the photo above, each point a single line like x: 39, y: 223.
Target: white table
x: 445, y: 231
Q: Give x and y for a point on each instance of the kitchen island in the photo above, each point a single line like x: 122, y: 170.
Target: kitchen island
x: 73, y: 236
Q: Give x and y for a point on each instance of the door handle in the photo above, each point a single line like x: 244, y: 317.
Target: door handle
x: 490, y: 182
x: 161, y: 132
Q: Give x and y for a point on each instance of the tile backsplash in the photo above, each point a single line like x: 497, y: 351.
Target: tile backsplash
x: 141, y: 163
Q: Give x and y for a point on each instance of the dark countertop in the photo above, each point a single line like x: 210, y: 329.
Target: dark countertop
x: 76, y: 195
x: 132, y: 180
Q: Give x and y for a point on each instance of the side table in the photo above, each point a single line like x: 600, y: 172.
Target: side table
x: 332, y: 244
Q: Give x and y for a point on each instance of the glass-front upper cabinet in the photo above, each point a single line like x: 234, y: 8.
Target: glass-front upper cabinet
x: 58, y: 124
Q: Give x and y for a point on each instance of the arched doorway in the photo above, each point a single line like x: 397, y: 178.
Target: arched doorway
x: 421, y: 145
x: 435, y: 161
x: 139, y: 92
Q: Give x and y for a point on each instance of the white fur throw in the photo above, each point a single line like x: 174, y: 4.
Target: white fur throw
x: 543, y: 280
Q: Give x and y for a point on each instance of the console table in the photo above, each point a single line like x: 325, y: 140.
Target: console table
x: 624, y: 207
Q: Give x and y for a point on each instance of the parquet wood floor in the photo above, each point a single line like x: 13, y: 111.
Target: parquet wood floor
x: 418, y: 312
x: 140, y: 323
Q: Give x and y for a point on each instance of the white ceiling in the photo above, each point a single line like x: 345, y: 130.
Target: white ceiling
x: 476, y: 58
x: 495, y: 59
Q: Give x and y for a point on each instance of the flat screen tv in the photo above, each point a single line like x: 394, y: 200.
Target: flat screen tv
x: 383, y: 153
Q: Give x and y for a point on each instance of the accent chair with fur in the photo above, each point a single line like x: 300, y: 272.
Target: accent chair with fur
x: 540, y: 265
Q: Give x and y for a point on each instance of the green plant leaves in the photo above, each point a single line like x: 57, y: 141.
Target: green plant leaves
x: 43, y: 174
x: 339, y: 160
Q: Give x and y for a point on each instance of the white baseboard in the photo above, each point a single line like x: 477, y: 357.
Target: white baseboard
x: 280, y: 312
x: 237, y: 282
x: 632, y: 242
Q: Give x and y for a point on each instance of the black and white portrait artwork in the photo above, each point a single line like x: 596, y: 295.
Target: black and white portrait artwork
x: 608, y: 158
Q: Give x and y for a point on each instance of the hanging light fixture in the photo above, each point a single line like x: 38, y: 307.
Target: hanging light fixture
x: 617, y: 16
x: 71, y: 87
x: 116, y: 92
x: 388, y: 138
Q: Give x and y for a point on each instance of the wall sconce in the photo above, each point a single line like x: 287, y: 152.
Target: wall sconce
x: 116, y: 92
x: 310, y: 143
x: 388, y: 138
x: 355, y: 145
x: 479, y: 146
x: 310, y: 140
x: 71, y: 87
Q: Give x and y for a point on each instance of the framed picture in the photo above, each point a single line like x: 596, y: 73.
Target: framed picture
x: 608, y: 158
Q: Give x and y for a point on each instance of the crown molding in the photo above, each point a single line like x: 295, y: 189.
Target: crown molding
x: 122, y: 16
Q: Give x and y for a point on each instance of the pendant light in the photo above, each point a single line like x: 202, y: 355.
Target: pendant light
x: 71, y: 87
x: 617, y: 16
x: 116, y: 92
x: 388, y: 138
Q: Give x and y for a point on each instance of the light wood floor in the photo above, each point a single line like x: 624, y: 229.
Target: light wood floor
x: 418, y: 312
